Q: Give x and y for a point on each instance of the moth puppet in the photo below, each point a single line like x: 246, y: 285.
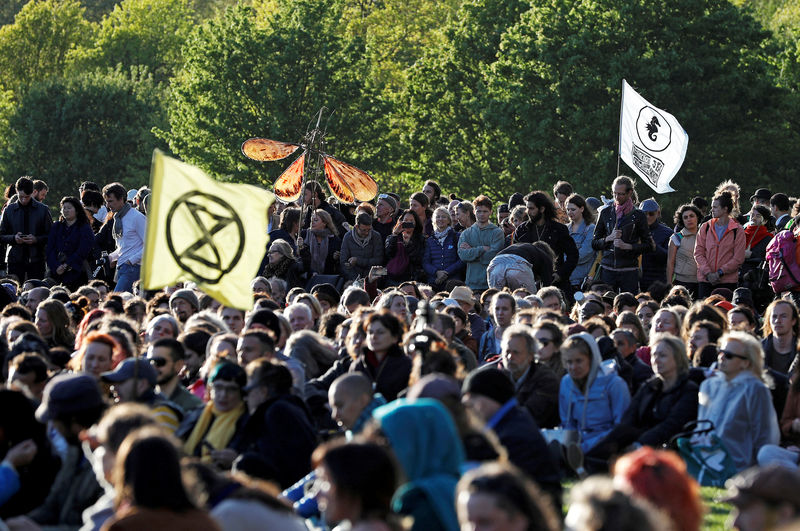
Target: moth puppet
x: 347, y: 183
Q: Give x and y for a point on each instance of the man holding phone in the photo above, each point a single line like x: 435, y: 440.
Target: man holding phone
x: 24, y: 228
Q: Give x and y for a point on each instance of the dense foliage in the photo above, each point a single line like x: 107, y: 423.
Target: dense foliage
x: 484, y: 95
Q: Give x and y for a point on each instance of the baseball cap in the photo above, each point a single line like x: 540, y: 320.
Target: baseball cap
x: 68, y: 393
x: 130, y: 368
x: 649, y: 205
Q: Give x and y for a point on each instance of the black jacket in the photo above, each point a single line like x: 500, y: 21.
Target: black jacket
x: 653, y: 416
x: 635, y: 231
x: 281, y: 432
x: 557, y: 236
x: 541, y: 262
x: 415, y: 250
x: 527, y: 449
x: 390, y: 377
x: 641, y: 372
x: 537, y: 392
x: 13, y: 221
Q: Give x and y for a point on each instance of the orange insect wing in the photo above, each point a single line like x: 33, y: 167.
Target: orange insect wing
x: 264, y: 149
x: 361, y: 183
x: 287, y: 187
x: 337, y: 185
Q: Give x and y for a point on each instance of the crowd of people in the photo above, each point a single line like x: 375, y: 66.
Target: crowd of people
x: 406, y: 363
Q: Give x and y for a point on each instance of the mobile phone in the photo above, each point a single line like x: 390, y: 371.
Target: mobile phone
x: 408, y: 225
x: 380, y: 270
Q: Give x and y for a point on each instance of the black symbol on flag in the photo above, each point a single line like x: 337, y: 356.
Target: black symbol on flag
x: 650, y: 166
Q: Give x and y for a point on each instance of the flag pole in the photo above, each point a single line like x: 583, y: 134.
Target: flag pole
x: 621, y: 107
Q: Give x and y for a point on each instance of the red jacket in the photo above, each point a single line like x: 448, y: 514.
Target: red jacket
x: 727, y: 253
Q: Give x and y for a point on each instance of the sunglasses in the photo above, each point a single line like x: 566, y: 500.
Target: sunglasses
x: 157, y: 362
x: 545, y: 342
x: 730, y: 355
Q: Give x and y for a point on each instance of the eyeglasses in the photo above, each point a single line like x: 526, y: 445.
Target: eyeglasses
x: 545, y: 342
x: 157, y: 362
x: 730, y: 355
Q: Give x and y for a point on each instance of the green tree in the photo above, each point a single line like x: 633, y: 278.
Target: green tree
x: 555, y: 91
x: 444, y: 135
x: 36, y: 45
x: 97, y: 9
x: 147, y: 33
x: 9, y: 10
x: 241, y: 81
x: 96, y: 126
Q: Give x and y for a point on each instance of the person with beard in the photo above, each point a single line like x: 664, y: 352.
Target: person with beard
x: 166, y: 355
x: 134, y: 380
x: 183, y: 304
x: 544, y: 226
x: 72, y: 403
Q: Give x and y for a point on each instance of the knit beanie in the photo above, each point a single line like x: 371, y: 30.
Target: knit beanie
x: 187, y: 295
x: 491, y: 383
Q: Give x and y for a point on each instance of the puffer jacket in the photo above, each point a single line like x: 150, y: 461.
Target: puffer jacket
x: 727, y: 254
x: 442, y: 256
x: 635, y: 231
x: 595, y: 411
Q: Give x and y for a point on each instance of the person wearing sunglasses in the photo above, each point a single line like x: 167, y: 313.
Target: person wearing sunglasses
x: 166, y: 355
x: 737, y: 401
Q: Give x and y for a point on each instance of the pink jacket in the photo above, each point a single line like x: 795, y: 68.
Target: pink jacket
x: 727, y: 254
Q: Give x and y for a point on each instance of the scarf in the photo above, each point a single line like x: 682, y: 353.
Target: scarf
x: 755, y: 233
x: 441, y: 235
x: 118, y: 220
x: 319, y: 249
x: 279, y: 269
x: 220, y: 433
x: 363, y: 242
x: 624, y: 209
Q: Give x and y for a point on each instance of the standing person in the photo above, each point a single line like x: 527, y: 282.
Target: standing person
x: 623, y: 235
x: 544, y: 226
x: 68, y: 247
x: 719, y: 251
x: 654, y: 263
x: 738, y: 402
x: 130, y: 228
x: 465, y: 216
x: 420, y: 205
x: 24, y: 228
x: 480, y: 243
x: 40, y: 190
x: 362, y: 248
x: 385, y: 211
x: 781, y: 208
x: 441, y: 261
x: 581, y: 228
x: 314, y: 198
x: 320, y: 254
x: 758, y: 237
x: 681, y: 266
x: 405, y: 248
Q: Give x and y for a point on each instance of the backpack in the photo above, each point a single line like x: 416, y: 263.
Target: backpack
x: 784, y: 271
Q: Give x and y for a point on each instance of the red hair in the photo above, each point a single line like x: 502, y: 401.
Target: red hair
x: 117, y: 353
x: 93, y: 315
x: 660, y: 477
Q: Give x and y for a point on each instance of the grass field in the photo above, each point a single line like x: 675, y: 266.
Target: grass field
x: 717, y: 512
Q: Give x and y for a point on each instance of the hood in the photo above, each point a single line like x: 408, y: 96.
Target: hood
x: 432, y: 447
x: 596, y: 360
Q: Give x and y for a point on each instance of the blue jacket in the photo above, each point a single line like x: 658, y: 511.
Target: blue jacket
x: 596, y: 411
x: 477, y: 258
x: 442, y: 257
x: 586, y: 254
x: 742, y: 413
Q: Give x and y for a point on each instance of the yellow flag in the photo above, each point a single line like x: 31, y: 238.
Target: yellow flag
x: 204, y: 231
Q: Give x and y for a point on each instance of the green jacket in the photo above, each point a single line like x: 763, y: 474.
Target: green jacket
x: 477, y: 258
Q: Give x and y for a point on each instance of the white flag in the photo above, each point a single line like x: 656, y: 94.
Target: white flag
x: 651, y: 141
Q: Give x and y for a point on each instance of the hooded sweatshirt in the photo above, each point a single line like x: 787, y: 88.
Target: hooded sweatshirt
x: 477, y: 258
x: 595, y: 411
x: 431, y: 455
x: 742, y: 412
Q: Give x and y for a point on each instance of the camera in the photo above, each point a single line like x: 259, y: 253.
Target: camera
x: 408, y: 225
